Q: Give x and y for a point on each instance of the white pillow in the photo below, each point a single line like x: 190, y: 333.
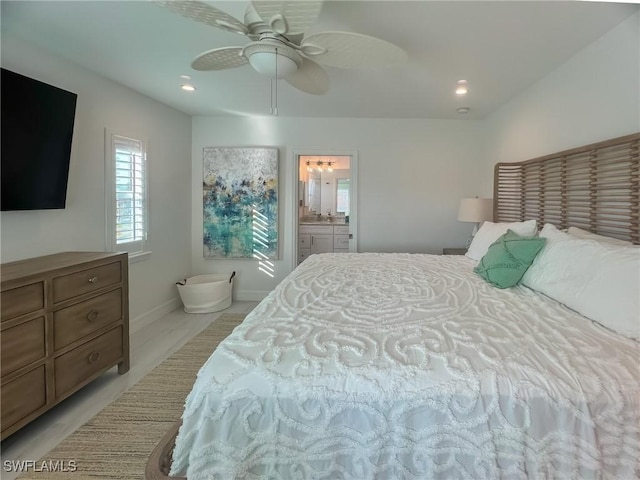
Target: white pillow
x: 579, y: 233
x: 599, y: 280
x: 489, y: 232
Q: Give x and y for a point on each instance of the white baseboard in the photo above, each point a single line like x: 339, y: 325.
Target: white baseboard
x: 145, y: 319
x: 151, y: 316
x: 250, y: 295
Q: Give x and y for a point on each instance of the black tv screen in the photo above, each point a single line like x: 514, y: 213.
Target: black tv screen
x: 36, y: 132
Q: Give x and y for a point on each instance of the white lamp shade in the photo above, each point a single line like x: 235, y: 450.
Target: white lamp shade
x: 475, y: 210
x: 265, y: 63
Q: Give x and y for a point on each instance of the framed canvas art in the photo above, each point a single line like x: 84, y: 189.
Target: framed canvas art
x: 240, y: 202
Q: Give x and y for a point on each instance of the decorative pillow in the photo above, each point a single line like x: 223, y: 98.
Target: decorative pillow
x: 508, y: 258
x: 578, y: 232
x: 599, y: 280
x: 490, y: 232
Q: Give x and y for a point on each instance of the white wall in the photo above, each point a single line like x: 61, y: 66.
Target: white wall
x: 81, y: 225
x: 592, y: 97
x: 412, y: 174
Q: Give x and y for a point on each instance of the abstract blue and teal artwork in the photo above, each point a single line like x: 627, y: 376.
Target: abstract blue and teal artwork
x: 240, y: 202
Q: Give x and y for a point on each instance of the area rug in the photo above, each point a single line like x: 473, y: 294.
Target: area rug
x: 117, y: 442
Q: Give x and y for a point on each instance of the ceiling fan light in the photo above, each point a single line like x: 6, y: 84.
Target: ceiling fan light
x: 273, y: 58
x: 265, y: 63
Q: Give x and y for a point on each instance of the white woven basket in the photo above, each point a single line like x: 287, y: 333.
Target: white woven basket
x: 206, y: 293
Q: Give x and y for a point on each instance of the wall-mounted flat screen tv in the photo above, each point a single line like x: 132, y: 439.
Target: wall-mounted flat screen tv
x: 36, y: 133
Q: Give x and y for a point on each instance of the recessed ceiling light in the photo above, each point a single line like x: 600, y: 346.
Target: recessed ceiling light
x: 187, y: 88
x: 463, y: 110
x: 461, y: 88
x: 185, y: 77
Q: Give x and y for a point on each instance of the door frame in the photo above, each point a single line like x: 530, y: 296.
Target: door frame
x: 353, y: 194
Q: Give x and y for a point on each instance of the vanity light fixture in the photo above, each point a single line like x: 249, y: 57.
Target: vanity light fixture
x: 461, y: 88
x: 319, y: 166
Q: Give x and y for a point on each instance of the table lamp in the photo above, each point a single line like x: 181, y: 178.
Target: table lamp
x: 476, y: 210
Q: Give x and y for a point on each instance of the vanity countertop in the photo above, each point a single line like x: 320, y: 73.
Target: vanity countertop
x: 322, y: 222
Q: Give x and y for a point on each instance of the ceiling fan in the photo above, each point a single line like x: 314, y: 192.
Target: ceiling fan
x: 279, y: 47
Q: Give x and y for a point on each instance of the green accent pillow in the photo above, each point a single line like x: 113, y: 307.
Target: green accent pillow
x: 508, y: 258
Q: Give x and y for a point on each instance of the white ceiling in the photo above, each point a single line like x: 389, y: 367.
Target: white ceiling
x: 499, y: 47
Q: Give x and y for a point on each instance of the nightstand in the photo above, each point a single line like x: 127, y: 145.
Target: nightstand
x: 454, y: 251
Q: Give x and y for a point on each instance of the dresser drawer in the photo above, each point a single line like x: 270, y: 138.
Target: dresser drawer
x: 304, y: 240
x: 341, y: 230
x: 22, y: 344
x: 303, y: 253
x: 340, y: 241
x: 72, y: 368
x: 23, y: 396
x: 85, y: 281
x: 22, y: 300
x: 73, y: 323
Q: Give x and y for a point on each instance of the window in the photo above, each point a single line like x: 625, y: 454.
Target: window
x: 342, y: 196
x: 127, y: 209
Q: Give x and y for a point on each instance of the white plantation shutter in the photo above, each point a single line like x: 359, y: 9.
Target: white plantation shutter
x: 129, y: 194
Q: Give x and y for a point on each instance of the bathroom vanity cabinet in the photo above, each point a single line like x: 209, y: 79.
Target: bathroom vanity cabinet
x: 318, y: 238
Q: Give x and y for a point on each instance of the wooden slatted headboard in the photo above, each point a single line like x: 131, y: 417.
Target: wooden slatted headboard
x: 595, y: 187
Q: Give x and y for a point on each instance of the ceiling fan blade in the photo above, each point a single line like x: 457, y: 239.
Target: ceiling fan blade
x: 219, y: 59
x: 351, y: 50
x: 288, y: 17
x: 310, y: 78
x: 203, y: 13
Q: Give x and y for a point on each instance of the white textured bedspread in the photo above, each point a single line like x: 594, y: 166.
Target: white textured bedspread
x: 399, y: 366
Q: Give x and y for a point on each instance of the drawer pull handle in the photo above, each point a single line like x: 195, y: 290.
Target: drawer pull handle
x: 94, y: 357
x: 93, y: 280
x: 92, y: 316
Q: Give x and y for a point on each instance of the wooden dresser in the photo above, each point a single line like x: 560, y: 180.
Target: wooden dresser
x: 65, y: 321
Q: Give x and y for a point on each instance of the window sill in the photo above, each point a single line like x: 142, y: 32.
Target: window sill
x: 139, y: 256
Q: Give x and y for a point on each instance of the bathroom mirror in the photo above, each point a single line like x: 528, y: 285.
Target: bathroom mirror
x: 327, y: 193
x: 326, y: 183
x: 314, y: 192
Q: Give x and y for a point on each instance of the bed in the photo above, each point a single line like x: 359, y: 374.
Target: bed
x: 409, y: 366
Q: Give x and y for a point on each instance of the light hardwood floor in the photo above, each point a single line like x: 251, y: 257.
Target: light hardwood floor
x: 150, y: 345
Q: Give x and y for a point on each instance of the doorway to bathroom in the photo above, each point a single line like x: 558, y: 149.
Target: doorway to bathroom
x: 326, y: 204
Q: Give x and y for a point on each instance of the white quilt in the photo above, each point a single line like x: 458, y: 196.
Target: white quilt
x: 399, y: 366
